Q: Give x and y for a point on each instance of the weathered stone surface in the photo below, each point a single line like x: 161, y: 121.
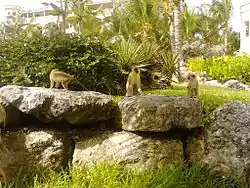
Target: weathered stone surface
x: 50, y: 105
x: 228, y: 138
x: 235, y: 84
x: 35, y: 148
x: 127, y: 148
x: 159, y: 113
x: 13, y: 116
x: 195, y: 149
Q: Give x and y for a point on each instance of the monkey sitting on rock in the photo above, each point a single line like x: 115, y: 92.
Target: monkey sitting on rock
x: 133, y: 85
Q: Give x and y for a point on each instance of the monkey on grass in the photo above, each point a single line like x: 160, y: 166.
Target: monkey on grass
x: 133, y: 85
x: 59, y: 77
x: 193, y: 86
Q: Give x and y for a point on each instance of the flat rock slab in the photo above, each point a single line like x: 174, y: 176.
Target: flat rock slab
x: 129, y: 149
x: 159, y: 113
x: 51, y: 105
x: 228, y: 138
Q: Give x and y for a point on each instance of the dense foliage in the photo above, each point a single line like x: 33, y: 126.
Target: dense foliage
x: 223, y: 68
x: 28, y: 62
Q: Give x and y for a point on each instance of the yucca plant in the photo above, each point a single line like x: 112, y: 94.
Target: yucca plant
x: 168, y: 62
x: 131, y: 53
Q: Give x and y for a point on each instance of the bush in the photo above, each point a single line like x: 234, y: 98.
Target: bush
x: 28, y: 62
x: 223, y: 68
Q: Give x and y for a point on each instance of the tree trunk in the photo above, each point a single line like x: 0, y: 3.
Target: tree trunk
x: 226, y: 38
x: 172, y: 36
x: 80, y: 26
x: 64, y: 15
x: 180, y: 66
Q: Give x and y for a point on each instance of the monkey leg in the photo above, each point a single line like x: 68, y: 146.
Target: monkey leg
x: 135, y: 90
x: 51, y: 84
x: 196, y: 92
x: 129, y: 92
x: 193, y: 92
x: 189, y: 92
x: 66, y: 84
x: 57, y: 85
x: 3, y: 179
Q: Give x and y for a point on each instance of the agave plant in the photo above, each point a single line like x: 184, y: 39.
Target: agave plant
x: 168, y: 62
x: 131, y: 53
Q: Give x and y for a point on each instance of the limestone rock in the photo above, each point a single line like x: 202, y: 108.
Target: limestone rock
x: 195, y: 149
x: 50, y: 105
x: 14, y: 117
x: 129, y: 149
x: 228, y: 138
x: 235, y: 84
x: 35, y: 148
x: 159, y: 113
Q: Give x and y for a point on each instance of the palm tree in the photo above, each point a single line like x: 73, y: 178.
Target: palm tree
x: 223, y: 11
x: 174, y: 9
x: 60, y: 11
x: 208, y: 25
x: 83, y: 15
x: 190, y: 22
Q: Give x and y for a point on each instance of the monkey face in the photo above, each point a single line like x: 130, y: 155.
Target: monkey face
x: 136, y: 69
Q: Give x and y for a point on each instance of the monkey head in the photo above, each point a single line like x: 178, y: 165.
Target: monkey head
x: 191, y: 75
x: 136, y: 69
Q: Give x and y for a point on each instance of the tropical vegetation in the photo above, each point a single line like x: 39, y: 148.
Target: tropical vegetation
x: 166, y: 34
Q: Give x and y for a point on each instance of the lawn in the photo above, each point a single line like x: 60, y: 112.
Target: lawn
x: 114, y: 176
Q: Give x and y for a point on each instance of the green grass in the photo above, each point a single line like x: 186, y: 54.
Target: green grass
x: 114, y: 176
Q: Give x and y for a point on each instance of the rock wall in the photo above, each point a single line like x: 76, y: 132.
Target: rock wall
x: 55, y: 127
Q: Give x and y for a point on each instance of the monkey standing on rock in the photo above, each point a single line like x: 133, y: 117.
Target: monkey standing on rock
x: 192, y: 86
x: 133, y: 85
x: 60, y: 77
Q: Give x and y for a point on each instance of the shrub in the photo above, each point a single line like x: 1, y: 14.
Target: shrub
x: 28, y: 62
x: 131, y: 53
x: 223, y: 68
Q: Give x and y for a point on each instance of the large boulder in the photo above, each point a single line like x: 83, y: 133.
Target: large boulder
x: 131, y: 150
x: 228, y: 138
x: 159, y: 113
x: 14, y: 117
x: 50, y: 105
x: 34, y: 148
x: 235, y: 84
